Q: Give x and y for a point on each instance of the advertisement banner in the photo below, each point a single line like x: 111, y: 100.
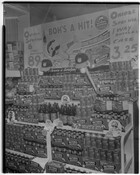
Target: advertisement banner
x: 74, y: 42
x: 124, y: 34
x: 33, y: 46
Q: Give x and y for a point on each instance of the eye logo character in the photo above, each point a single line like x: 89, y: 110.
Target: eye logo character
x: 115, y: 128
x: 81, y: 60
x: 46, y: 65
x: 53, y: 48
x: 114, y: 125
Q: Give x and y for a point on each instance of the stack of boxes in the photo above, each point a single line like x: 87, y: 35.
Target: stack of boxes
x: 14, y: 56
x: 83, y: 149
x: 16, y: 163
x: 27, y: 139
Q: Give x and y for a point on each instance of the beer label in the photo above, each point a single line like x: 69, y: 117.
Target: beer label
x: 73, y: 143
x: 90, y: 164
x: 11, y: 164
x: 34, y: 164
x: 21, y: 167
x: 53, y: 169
x: 17, y: 146
x: 58, y: 140
x: 29, y: 150
x: 40, y: 151
x: 108, y: 168
x: 58, y: 155
x: 40, y: 137
x: 28, y: 135
x: 73, y: 159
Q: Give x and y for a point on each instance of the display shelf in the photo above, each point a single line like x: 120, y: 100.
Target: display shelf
x: 83, y: 130
x: 25, y: 123
x: 13, y: 73
x: 19, y: 153
x: 41, y: 161
x: 81, y: 169
x: 128, y: 128
x: 75, y: 102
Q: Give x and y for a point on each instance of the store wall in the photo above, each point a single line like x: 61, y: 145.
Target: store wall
x: 11, y: 29
x: 23, y: 22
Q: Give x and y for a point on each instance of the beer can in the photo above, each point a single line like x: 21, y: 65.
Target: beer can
x: 99, y: 141
x: 85, y: 153
x: 118, y: 142
x: 105, y: 143
x: 103, y: 155
x: 91, y: 153
x: 109, y: 156
x: 111, y: 143
x: 116, y: 157
x: 97, y: 154
x: 87, y: 139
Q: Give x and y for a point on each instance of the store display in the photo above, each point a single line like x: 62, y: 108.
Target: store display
x: 93, y: 151
x: 71, y: 109
x: 16, y: 163
x: 77, y: 146
x: 26, y: 138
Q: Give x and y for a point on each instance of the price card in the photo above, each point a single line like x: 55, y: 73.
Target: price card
x: 123, y: 33
x: 109, y: 105
x: 33, y: 46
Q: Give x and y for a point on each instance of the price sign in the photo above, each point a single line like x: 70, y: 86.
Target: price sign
x: 33, y: 46
x: 123, y: 33
x: 34, y: 61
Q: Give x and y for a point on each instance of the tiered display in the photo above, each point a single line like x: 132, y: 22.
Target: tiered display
x: 18, y: 163
x: 84, y: 130
x: 26, y: 138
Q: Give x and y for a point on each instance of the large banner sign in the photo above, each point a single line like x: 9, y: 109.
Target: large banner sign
x: 124, y: 34
x: 78, y: 41
x: 88, y: 40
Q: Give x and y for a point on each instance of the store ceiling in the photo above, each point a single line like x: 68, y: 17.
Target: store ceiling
x: 46, y: 12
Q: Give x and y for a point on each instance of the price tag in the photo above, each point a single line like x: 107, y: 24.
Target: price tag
x: 125, y: 105
x: 109, y: 105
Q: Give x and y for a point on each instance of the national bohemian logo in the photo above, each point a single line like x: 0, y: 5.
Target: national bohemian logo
x: 101, y: 22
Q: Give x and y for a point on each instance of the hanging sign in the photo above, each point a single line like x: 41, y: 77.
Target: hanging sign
x: 64, y: 39
x: 33, y: 47
x: 56, y: 44
x: 124, y: 33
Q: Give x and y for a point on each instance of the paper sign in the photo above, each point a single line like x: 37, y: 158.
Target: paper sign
x: 33, y: 47
x: 57, y: 43
x: 89, y: 34
x: 123, y: 33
